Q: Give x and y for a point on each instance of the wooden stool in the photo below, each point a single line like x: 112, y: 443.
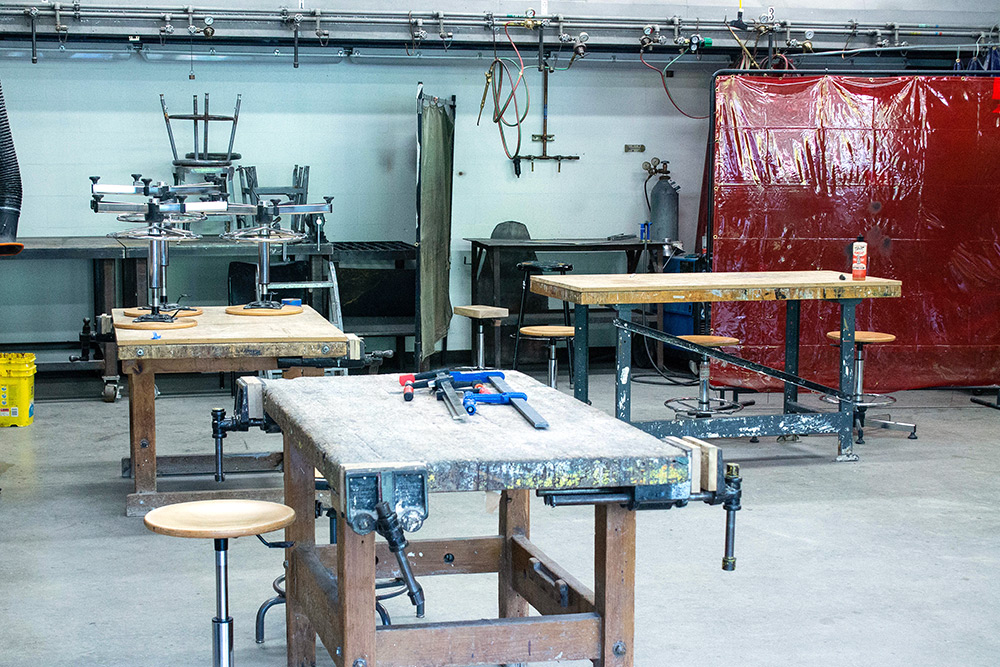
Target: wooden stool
x: 703, y: 405
x: 220, y: 520
x: 551, y: 334
x: 540, y: 268
x: 480, y: 313
x: 863, y: 401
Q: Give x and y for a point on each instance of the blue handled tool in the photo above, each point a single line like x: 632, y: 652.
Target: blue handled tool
x: 471, y: 398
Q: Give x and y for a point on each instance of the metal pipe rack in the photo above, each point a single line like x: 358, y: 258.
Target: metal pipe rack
x: 440, y: 29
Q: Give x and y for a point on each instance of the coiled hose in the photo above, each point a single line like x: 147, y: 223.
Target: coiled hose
x: 10, y: 187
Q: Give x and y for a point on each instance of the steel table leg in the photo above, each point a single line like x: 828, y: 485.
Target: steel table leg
x: 581, y: 352
x: 623, y: 367
x: 792, y: 310
x: 848, y: 312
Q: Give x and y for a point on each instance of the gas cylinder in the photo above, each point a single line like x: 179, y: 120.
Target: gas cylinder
x: 663, y: 210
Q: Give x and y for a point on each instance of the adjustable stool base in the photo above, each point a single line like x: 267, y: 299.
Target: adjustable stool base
x: 691, y: 407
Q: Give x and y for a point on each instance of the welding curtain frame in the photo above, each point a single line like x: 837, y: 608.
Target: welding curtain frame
x: 435, y: 159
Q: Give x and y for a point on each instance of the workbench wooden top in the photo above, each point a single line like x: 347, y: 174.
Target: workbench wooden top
x: 362, y: 422
x: 607, y: 289
x: 219, y: 335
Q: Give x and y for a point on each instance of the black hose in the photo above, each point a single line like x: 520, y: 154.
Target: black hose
x: 10, y: 187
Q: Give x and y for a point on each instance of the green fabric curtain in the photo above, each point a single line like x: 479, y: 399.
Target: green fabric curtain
x: 435, y: 150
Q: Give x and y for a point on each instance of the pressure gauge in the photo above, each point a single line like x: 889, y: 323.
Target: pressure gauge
x: 209, y: 20
x: 810, y: 34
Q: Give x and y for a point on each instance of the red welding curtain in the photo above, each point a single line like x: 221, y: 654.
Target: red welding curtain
x: 804, y: 165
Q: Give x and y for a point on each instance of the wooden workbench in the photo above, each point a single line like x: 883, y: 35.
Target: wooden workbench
x: 343, y: 424
x: 612, y: 289
x: 219, y: 342
x: 623, y: 292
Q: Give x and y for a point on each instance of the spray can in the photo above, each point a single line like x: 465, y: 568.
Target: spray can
x: 859, y: 259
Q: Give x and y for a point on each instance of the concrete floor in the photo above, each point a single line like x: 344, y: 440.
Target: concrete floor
x: 890, y: 561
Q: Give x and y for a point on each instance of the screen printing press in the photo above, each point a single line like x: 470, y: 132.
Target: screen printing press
x: 220, y: 342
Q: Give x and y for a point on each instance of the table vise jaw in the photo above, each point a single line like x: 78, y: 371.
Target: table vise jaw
x: 248, y: 412
x: 663, y: 497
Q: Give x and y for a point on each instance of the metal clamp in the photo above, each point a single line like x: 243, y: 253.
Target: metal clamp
x: 404, y: 488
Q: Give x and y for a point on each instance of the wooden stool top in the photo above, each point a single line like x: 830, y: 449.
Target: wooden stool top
x: 711, y: 341
x: 548, y: 331
x: 218, y: 519
x: 864, y: 337
x: 482, y: 312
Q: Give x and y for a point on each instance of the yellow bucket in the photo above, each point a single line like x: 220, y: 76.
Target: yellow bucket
x: 17, y: 389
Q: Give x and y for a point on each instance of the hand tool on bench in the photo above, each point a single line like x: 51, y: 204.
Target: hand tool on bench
x: 520, y: 404
x: 460, y: 379
x: 444, y: 383
x: 470, y: 399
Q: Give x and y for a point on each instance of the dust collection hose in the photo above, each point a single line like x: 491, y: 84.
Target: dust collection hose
x: 10, y: 187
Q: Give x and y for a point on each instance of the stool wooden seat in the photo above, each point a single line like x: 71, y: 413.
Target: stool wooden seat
x: 863, y: 400
x: 219, y: 519
x: 481, y: 312
x: 533, y: 268
x: 864, y: 337
x: 711, y: 341
x: 548, y: 331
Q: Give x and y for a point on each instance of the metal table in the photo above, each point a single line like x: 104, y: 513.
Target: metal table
x: 624, y: 292
x: 361, y: 435
x: 483, y: 248
x: 219, y: 342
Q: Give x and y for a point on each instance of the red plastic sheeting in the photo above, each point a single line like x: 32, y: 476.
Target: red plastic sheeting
x: 804, y: 165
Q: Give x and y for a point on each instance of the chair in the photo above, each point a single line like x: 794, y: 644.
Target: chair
x: 221, y: 520
x: 533, y: 268
x: 500, y: 264
x: 863, y: 401
x: 551, y: 335
x: 703, y: 405
x: 480, y: 313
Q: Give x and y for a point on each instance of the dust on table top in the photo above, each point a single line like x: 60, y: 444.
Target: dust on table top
x: 363, y: 421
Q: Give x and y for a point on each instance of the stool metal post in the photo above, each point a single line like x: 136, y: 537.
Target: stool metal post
x: 480, y: 345
x: 222, y: 624
x: 704, y: 401
x: 553, y: 368
x: 520, y: 316
x: 859, y: 372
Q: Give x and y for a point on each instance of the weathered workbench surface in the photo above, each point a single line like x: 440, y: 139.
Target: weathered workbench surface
x: 339, y: 424
x: 347, y: 424
x: 219, y: 342
x: 219, y: 335
x: 608, y: 289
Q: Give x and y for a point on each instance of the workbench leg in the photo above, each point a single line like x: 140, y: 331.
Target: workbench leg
x: 623, y: 367
x: 142, y: 428
x: 514, y: 520
x: 792, y: 311
x: 581, y: 352
x: 356, y: 590
x: 614, y: 583
x: 300, y: 495
x: 848, y: 311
